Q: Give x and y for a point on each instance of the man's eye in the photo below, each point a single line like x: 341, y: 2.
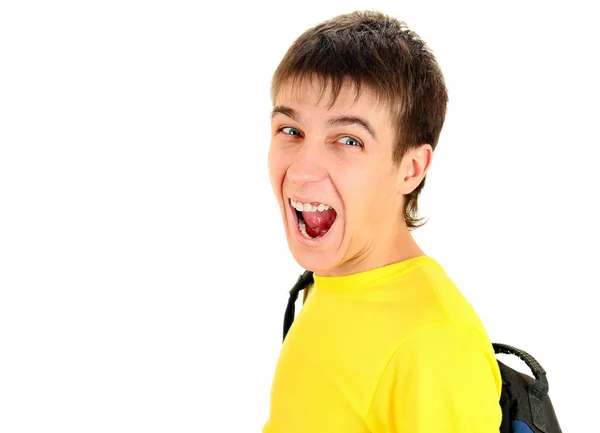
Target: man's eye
x: 290, y: 131
x: 350, y: 141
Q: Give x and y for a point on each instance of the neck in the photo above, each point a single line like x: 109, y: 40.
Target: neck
x: 397, y: 247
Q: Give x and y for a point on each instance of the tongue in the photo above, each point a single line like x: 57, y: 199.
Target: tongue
x: 318, y: 223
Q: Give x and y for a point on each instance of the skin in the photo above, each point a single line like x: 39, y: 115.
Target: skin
x: 346, y: 166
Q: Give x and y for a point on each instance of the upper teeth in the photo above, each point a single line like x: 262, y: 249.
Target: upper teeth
x: 309, y: 207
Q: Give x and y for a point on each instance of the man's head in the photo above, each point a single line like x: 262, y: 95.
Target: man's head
x: 359, y: 103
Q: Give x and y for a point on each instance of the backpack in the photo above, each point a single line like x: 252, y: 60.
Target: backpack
x: 525, y: 404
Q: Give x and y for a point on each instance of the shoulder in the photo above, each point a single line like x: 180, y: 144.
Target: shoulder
x: 442, y: 377
x: 445, y: 357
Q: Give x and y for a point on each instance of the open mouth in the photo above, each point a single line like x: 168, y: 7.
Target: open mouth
x: 314, y: 219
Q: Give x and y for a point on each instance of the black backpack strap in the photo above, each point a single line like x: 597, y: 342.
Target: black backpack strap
x: 303, y: 282
x: 538, y: 389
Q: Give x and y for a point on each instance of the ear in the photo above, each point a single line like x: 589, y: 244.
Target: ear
x: 413, y: 168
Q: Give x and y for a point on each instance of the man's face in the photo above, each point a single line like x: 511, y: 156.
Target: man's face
x: 336, y: 165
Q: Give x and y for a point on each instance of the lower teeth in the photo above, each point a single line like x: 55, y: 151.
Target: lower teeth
x: 302, y: 226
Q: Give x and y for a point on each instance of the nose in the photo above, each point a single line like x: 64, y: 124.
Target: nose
x: 308, y: 164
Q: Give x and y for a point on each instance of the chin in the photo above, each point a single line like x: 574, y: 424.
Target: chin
x: 319, y: 263
x: 318, y: 256
x: 323, y: 262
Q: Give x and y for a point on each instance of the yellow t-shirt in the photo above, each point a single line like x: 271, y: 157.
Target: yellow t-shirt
x: 394, y: 349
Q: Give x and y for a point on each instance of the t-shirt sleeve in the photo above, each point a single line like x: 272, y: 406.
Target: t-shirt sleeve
x: 442, y: 379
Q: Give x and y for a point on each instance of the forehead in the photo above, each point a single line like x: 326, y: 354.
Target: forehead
x: 315, y: 96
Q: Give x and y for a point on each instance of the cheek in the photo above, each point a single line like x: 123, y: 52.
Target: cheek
x: 353, y: 191
x: 277, y: 168
x: 366, y: 197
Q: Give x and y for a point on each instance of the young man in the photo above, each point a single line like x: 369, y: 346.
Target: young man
x: 385, y: 342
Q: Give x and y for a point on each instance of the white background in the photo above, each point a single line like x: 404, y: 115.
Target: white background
x: 143, y: 265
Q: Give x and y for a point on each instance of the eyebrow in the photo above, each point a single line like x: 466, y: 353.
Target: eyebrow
x: 286, y: 111
x: 335, y: 121
x: 353, y: 120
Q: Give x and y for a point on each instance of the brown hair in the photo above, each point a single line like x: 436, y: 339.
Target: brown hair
x: 372, y: 49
